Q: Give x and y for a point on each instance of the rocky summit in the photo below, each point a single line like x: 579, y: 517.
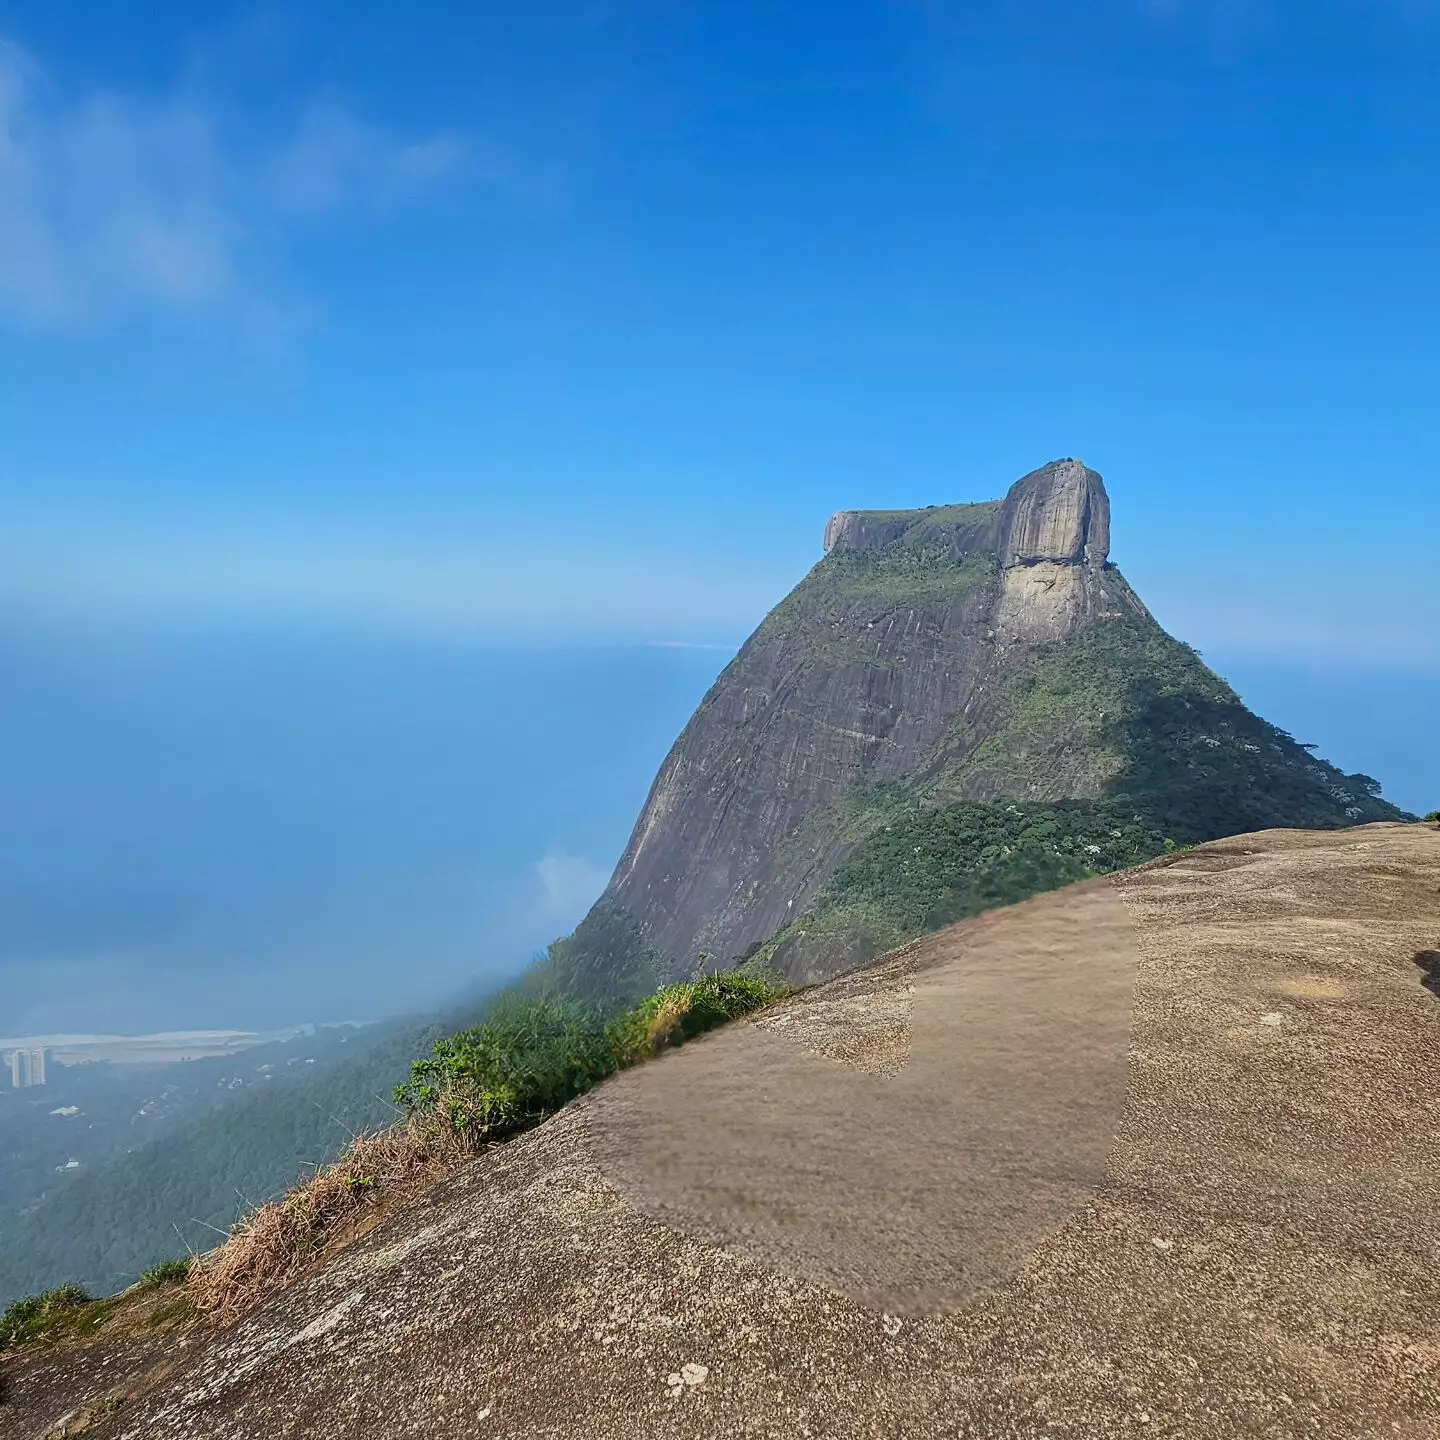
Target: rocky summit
x: 987, y: 653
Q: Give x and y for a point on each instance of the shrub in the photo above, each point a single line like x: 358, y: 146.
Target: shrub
x: 485, y: 1084
x: 526, y: 1060
x: 1435, y: 816
x: 531, y: 1056
x: 680, y: 1012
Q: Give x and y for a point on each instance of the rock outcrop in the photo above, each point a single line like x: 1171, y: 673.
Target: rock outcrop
x: 1060, y: 513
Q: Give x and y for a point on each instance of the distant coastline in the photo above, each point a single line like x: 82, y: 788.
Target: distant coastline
x: 160, y: 1048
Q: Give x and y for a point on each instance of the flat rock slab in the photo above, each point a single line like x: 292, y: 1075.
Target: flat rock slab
x: 917, y: 1187
x: 1256, y: 1256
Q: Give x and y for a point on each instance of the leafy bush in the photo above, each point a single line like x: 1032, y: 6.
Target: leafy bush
x: 524, y: 1062
x: 929, y: 867
x: 533, y: 1054
x: 1435, y: 816
x: 680, y: 1012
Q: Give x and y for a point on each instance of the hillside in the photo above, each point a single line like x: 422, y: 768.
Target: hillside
x: 968, y: 658
x: 157, y: 1190
x: 1145, y: 1155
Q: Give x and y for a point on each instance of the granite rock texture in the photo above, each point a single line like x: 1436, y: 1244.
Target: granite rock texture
x: 987, y: 652
x: 1059, y: 513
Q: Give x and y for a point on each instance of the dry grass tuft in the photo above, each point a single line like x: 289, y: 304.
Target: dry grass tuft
x: 673, y: 1008
x: 279, y: 1240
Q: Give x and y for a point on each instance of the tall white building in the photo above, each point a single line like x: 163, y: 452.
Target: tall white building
x: 27, y: 1068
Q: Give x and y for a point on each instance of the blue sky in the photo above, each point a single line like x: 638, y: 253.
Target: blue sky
x: 422, y: 330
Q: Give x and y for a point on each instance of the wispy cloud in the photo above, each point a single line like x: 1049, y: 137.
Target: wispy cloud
x: 336, y: 159
x: 112, y: 203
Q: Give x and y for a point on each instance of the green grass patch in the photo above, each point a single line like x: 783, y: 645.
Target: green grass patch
x: 681, y: 1012
x: 877, y: 581
x: 841, y: 607
x: 533, y: 1054
x: 66, y: 1312
x: 167, y: 1272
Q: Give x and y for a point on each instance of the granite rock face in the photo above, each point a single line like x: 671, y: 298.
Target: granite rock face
x: 857, y: 678
x: 1059, y: 513
x: 1232, y: 1235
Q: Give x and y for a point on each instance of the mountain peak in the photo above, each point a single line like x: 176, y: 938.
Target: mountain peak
x: 981, y: 655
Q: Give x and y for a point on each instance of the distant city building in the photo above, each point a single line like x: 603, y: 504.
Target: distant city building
x: 27, y: 1068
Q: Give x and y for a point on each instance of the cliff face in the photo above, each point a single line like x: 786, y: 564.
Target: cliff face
x: 971, y: 652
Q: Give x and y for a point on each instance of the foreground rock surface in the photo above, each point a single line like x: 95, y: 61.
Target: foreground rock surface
x: 1252, y: 1250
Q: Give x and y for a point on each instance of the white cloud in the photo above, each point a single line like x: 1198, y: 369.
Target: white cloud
x: 336, y: 159
x: 571, y: 884
x: 111, y: 203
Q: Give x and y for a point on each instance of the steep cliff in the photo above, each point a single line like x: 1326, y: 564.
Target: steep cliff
x: 967, y: 653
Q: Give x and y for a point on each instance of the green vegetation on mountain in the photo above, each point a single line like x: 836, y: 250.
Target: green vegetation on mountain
x: 913, y: 572
x: 925, y: 867
x: 64, y: 1310
x: 603, y: 965
x: 547, y: 1037
x: 530, y: 1056
x: 987, y: 657
x: 956, y: 709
